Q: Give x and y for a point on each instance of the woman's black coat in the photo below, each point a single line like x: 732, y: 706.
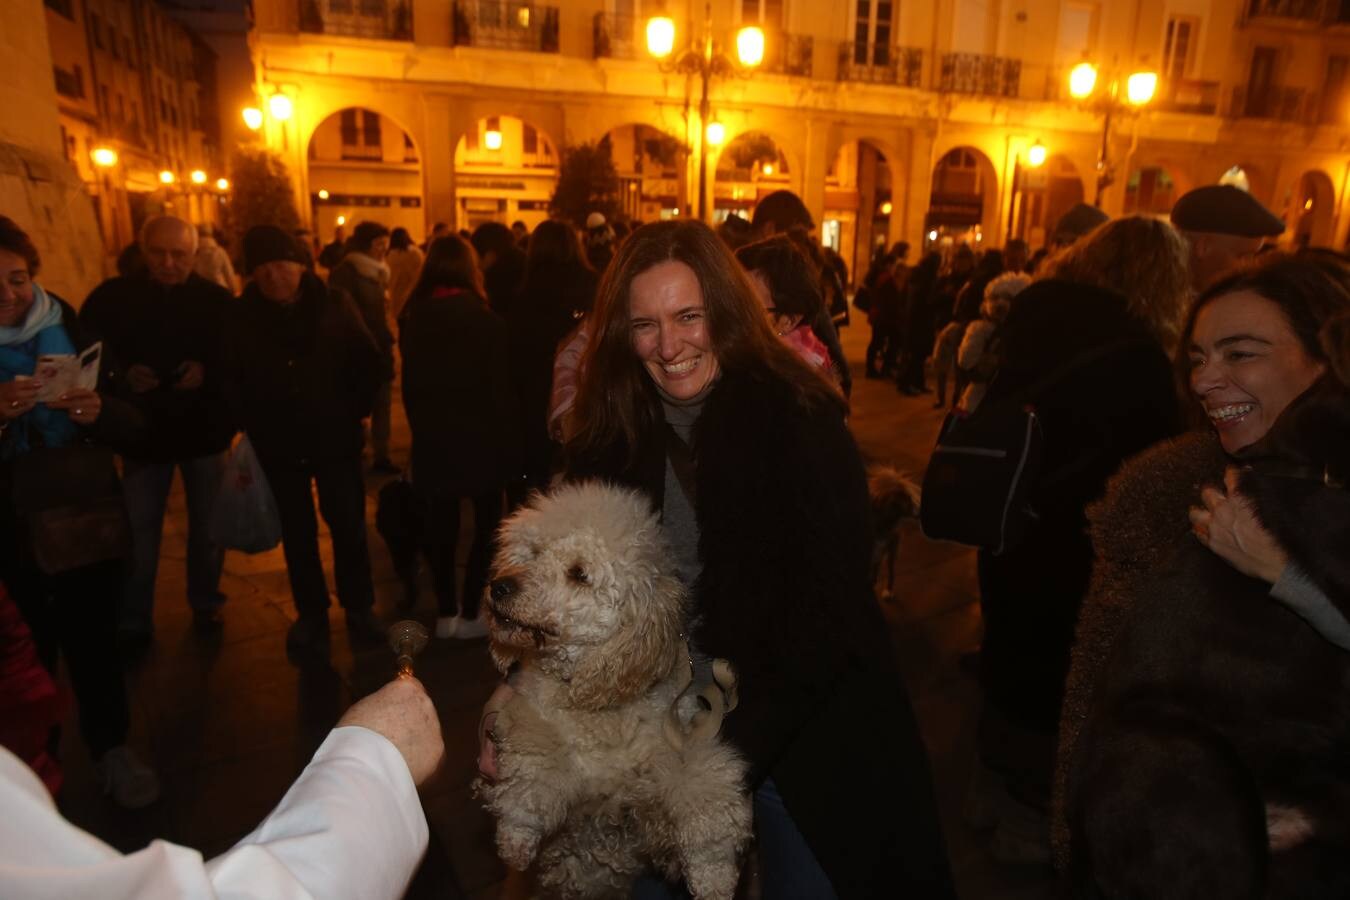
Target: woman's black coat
x: 1092, y: 419
x: 457, y: 393
x: 785, y: 595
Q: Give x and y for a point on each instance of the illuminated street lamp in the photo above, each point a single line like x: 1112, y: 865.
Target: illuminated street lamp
x: 104, y: 157
x: 198, y: 176
x: 1036, y: 155
x: 1138, y: 93
x: 1034, y: 158
x: 253, y: 118
x: 222, y: 184
x: 280, y: 107
x: 323, y: 194
x: 492, y: 138
x: 166, y: 177
x: 704, y: 58
x: 886, y: 208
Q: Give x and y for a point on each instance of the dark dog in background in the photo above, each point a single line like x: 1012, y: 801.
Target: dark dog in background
x: 895, y: 498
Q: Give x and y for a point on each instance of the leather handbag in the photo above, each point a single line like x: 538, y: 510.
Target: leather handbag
x: 70, y: 500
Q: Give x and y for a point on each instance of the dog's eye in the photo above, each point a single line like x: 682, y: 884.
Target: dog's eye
x: 578, y: 575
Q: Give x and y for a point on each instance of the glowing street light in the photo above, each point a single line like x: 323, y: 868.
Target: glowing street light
x: 323, y: 194
x: 281, y: 107
x: 767, y: 168
x: 104, y: 157
x: 253, y: 118
x: 492, y: 139
x: 886, y: 208
x: 167, y: 177
x: 222, y: 184
x: 750, y: 46
x: 1140, y: 86
x: 342, y: 220
x: 717, y: 133
x: 1082, y: 80
x: 660, y: 36
x: 1036, y: 155
x: 198, y: 176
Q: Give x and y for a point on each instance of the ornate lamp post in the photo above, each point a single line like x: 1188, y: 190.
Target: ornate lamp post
x: 704, y: 58
x: 1034, y: 158
x: 1139, y: 89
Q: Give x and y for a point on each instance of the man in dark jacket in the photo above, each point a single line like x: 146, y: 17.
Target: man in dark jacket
x: 301, y: 372
x: 503, y: 265
x: 364, y: 277
x: 162, y: 329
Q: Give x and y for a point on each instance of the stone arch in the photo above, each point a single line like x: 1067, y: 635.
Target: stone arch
x: 506, y: 169
x: 747, y: 167
x: 1047, y: 193
x: 1313, y: 212
x: 361, y: 164
x: 651, y: 163
x: 963, y: 206
x: 862, y: 197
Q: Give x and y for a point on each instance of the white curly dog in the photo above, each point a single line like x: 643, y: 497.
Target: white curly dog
x: 586, y: 612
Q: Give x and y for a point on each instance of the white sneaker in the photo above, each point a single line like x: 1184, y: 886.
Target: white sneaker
x: 131, y: 782
x: 470, y: 629
x: 447, y: 626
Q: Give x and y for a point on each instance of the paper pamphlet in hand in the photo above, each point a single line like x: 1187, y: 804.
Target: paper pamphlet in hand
x: 60, y: 373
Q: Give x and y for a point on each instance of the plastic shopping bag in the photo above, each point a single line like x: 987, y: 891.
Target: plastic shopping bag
x: 245, y: 515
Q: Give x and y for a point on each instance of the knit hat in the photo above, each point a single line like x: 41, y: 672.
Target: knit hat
x: 1225, y: 209
x: 268, y: 243
x: 1078, y: 221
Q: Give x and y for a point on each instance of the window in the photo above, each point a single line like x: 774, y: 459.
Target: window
x: 1336, y: 90
x: 1178, y: 55
x: 64, y: 7
x: 872, y: 32
x: 530, y: 140
x: 766, y: 13
x: 371, y: 136
x: 121, y: 109
x: 96, y: 29
x: 347, y: 125
x: 104, y: 105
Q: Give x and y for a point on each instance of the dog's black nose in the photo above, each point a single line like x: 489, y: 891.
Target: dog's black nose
x: 503, y: 588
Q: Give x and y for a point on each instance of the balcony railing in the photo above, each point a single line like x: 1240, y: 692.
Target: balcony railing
x: 1308, y: 12
x: 788, y: 54
x: 1282, y: 104
x: 506, y: 25
x: 1199, y: 97
x: 974, y: 73
x: 881, y: 64
x: 389, y: 20
x: 615, y: 36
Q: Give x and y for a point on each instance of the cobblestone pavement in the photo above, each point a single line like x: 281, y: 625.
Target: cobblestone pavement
x: 228, y: 722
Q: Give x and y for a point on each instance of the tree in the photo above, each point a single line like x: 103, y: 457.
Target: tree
x: 261, y: 194
x: 587, y: 183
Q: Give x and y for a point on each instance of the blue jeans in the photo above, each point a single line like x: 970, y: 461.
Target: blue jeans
x: 787, y: 868
x: 145, y: 486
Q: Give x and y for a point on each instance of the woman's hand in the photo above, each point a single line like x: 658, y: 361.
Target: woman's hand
x: 17, y: 398
x: 1227, y: 524
x: 82, y: 406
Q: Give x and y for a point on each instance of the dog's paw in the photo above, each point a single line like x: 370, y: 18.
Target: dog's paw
x: 517, y: 847
x: 713, y: 881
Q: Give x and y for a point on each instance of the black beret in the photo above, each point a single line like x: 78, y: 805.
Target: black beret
x: 268, y: 243
x: 1225, y: 209
x: 1078, y: 221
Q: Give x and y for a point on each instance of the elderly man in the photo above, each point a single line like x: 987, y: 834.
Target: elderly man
x: 1223, y: 225
x: 161, y: 335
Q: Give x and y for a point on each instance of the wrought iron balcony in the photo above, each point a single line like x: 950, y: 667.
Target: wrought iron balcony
x: 881, y: 64
x: 1311, y: 12
x: 1199, y: 97
x: 388, y: 20
x: 976, y: 73
x: 615, y: 36
x: 1282, y: 104
x: 788, y: 54
x: 506, y: 25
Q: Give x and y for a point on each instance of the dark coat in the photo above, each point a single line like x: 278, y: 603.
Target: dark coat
x: 785, y: 595
x: 142, y: 322
x: 1194, y: 674
x: 504, y: 279
x: 457, y: 392
x: 301, y: 377
x: 1092, y: 420
x: 547, y: 310
x: 353, y: 277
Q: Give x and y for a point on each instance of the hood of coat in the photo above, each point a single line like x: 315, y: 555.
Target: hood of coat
x: 368, y: 267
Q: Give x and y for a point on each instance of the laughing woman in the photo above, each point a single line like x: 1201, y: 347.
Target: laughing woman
x: 689, y: 396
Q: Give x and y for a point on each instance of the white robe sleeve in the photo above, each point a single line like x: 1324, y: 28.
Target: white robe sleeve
x: 350, y: 826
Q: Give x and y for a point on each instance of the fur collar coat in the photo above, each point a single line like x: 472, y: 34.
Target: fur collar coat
x: 784, y: 594
x: 1172, y: 640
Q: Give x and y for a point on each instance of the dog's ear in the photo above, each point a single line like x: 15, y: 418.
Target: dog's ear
x: 643, y: 651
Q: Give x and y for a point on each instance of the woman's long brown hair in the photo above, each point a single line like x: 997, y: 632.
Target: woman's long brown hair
x: 616, y: 399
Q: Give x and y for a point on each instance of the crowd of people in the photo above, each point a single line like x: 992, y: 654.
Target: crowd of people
x: 1162, y: 714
